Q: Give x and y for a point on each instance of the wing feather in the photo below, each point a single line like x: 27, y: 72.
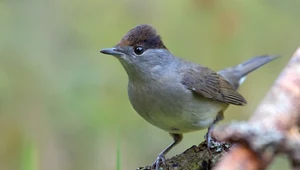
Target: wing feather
x: 209, y: 84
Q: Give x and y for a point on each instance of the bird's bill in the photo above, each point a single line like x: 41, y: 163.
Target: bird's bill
x: 111, y: 51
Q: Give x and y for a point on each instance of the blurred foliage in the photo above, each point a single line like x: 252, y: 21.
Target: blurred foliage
x: 63, y: 104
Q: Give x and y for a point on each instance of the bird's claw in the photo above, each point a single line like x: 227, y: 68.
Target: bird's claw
x: 212, y: 143
x: 160, y: 158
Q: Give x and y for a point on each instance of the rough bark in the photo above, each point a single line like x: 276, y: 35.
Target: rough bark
x: 195, y: 158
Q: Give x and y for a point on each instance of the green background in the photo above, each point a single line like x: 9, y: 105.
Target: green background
x: 64, y: 106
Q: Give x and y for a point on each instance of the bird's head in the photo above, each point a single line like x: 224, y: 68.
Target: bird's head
x: 140, y: 50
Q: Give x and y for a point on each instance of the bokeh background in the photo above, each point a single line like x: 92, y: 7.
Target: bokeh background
x: 64, y: 106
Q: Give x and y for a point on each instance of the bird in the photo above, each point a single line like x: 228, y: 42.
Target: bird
x: 173, y: 94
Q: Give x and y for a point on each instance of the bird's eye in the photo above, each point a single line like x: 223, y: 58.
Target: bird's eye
x: 138, y: 50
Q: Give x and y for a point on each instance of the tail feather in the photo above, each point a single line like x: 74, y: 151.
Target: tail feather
x: 237, y: 74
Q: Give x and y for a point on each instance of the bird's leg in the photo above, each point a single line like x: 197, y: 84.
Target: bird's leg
x: 218, y: 118
x: 161, y: 156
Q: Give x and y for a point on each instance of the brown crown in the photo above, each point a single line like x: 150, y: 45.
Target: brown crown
x: 142, y: 35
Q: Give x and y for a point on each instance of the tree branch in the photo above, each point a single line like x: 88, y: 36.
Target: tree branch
x: 196, y: 157
x: 272, y: 128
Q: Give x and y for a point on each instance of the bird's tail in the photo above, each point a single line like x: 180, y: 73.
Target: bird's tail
x: 237, y: 74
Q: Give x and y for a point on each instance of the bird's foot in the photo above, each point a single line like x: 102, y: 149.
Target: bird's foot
x: 208, y: 139
x: 212, y: 143
x: 160, y: 159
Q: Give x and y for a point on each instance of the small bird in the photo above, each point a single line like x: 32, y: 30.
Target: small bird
x: 173, y: 94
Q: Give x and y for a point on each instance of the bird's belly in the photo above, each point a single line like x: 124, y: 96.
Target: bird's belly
x: 177, y: 112
x: 185, y: 119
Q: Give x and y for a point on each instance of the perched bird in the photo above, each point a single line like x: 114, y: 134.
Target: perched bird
x: 173, y: 94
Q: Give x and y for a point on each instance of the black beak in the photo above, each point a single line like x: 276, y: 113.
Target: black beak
x: 111, y: 51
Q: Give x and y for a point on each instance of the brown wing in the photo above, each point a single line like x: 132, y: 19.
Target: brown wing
x: 209, y: 84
